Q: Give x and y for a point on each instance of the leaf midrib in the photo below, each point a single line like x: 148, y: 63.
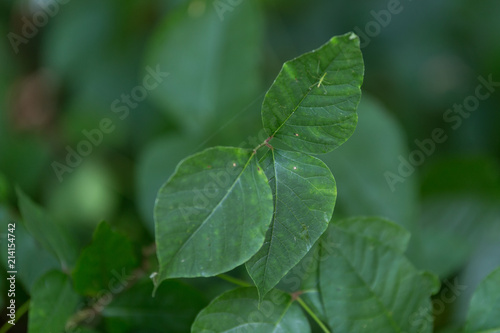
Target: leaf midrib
x: 387, y: 311
x: 303, y: 98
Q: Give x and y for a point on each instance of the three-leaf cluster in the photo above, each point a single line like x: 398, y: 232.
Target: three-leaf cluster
x: 223, y: 208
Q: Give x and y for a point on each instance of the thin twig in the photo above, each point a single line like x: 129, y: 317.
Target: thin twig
x: 19, y: 313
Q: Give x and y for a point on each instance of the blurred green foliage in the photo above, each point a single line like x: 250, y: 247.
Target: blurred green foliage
x: 65, y: 79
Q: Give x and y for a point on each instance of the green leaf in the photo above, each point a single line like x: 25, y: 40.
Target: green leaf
x: 485, y: 306
x: 312, y: 104
x: 213, y: 60
x: 172, y: 310
x: 361, y: 165
x: 304, y: 197
x: 29, y: 267
x: 50, y: 235
x: 367, y: 283
x: 100, y: 264
x: 379, y: 230
x: 304, y: 280
x: 462, y: 222
x: 459, y: 213
x: 53, y: 302
x: 239, y: 310
x: 153, y: 170
x: 212, y: 214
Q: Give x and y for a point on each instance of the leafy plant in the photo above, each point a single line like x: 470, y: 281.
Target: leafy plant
x: 223, y: 208
x: 222, y: 205
x: 267, y: 210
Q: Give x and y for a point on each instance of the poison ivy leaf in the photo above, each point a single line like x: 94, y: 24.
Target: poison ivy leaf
x: 109, y: 256
x: 173, y: 309
x: 304, y: 197
x: 212, y: 214
x: 311, y: 105
x: 53, y: 301
x: 239, y: 310
x: 50, y: 235
x: 367, y: 283
x: 485, y: 306
x: 213, y: 59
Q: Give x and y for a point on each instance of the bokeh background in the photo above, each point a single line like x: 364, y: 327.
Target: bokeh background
x: 66, y: 66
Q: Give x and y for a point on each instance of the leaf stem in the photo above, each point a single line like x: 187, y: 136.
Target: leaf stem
x: 313, y: 315
x: 19, y: 313
x: 265, y: 143
x: 233, y: 280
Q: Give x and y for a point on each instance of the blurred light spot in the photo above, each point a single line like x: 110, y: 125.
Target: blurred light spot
x: 196, y: 8
x: 443, y: 74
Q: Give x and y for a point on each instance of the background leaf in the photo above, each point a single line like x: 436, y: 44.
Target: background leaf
x: 311, y: 105
x: 212, y: 214
x: 304, y: 197
x: 53, y: 301
x: 50, y: 235
x: 460, y: 210
x: 156, y: 163
x: 172, y: 310
x: 304, y: 279
x: 103, y: 261
x: 239, y: 310
x: 485, y: 306
x: 360, y: 164
x: 366, y: 281
x: 212, y: 61
x: 29, y: 267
